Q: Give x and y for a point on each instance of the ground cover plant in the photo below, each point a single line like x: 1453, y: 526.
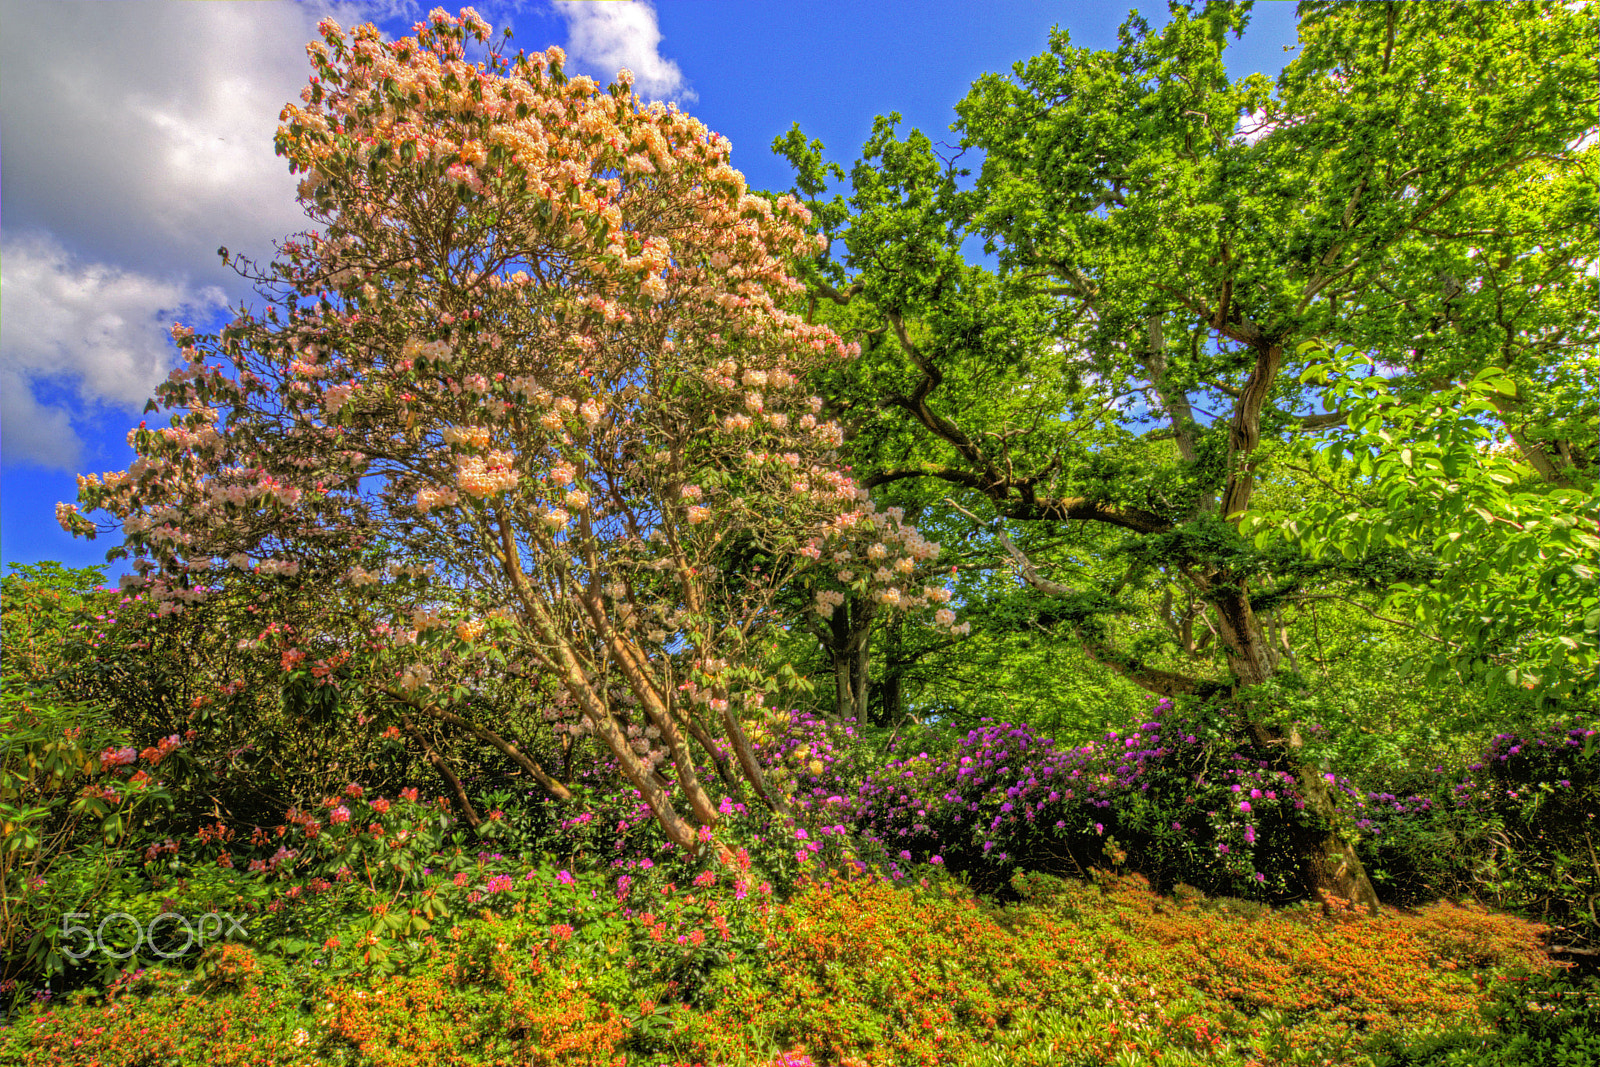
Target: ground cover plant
x: 851, y: 970
x: 534, y: 644
x: 374, y: 929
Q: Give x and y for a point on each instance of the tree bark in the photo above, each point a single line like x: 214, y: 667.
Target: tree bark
x: 848, y: 640
x: 890, y: 699
x: 1329, y: 869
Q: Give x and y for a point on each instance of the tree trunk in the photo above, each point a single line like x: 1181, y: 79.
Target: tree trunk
x: 1328, y: 865
x: 889, y: 701
x: 850, y: 652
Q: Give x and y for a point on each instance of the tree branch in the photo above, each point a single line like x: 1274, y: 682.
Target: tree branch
x: 549, y: 784
x: 1317, y: 422
x: 1382, y: 618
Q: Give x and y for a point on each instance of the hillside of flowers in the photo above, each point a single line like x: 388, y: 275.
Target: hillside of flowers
x: 935, y: 897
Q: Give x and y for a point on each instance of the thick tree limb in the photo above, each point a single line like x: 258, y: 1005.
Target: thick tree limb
x: 917, y: 403
x: 1317, y: 422
x: 823, y: 289
x: 442, y: 765
x: 546, y: 782
x: 1156, y: 680
x: 1244, y: 433
x: 1060, y: 509
x: 1174, y: 400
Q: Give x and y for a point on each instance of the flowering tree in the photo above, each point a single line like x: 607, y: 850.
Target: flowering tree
x: 537, y: 358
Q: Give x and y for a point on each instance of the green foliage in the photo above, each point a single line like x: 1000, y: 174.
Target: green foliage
x: 1539, y: 1020
x: 1166, y: 237
x: 1513, y: 599
x: 1178, y: 254
x: 1516, y: 828
x: 67, y: 816
x: 43, y: 603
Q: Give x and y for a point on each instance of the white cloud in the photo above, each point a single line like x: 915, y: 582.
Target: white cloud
x: 97, y: 329
x: 607, y: 35
x: 137, y: 139
x: 31, y: 432
x: 141, y: 134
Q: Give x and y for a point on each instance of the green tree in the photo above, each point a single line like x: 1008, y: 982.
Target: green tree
x: 1419, y: 183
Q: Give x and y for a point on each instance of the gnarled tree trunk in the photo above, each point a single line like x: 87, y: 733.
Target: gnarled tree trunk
x: 1328, y: 864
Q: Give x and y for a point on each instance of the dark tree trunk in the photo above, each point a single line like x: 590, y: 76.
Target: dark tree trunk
x: 890, y: 699
x: 849, y: 645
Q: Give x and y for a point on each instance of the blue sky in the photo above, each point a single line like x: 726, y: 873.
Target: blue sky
x: 137, y: 138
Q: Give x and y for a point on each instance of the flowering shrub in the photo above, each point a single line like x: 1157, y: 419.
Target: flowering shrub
x: 540, y: 326
x: 864, y: 971
x: 1164, y: 797
x: 1514, y: 828
x: 557, y: 965
x: 160, y: 1016
x: 72, y: 792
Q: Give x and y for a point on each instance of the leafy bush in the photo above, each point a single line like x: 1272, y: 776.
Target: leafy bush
x: 1540, y: 1019
x: 73, y: 793
x: 1516, y: 829
x: 1166, y: 797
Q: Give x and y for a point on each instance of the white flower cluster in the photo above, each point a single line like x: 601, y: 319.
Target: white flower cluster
x: 472, y: 436
x: 828, y: 600
x: 358, y: 576
x: 486, y: 476
x: 428, y: 499
x: 432, y: 351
